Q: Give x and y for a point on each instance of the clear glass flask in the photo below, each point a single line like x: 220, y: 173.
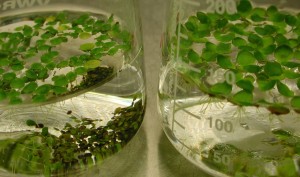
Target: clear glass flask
x: 72, y: 88
x: 229, y: 85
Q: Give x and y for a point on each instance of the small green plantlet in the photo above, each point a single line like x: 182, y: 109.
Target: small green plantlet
x: 87, y: 46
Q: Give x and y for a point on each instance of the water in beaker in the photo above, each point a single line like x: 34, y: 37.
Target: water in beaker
x: 229, y: 87
x: 72, y: 89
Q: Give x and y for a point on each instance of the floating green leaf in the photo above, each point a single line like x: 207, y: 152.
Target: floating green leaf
x: 270, y: 29
x: 58, y: 90
x: 277, y: 17
x: 238, y: 29
x: 4, y: 62
x: 238, y: 41
x: 58, y: 40
x: 27, y: 30
x: 280, y: 39
x: 80, y: 70
x: 286, y: 167
x: 273, y: 69
x: 257, y: 18
x: 17, y: 83
x: 244, y: 7
x: 246, y: 85
x: 295, y: 102
x: 223, y: 48
x: 225, y: 37
x: 252, y: 68
x: 9, y: 76
x: 243, y: 98
x: 266, y: 85
x: 283, y: 53
x: 209, y: 55
x: 203, y: 18
x: 291, y: 74
x: 17, y: 67
x: 71, y: 76
x: 85, y: 35
x: 51, y: 65
x: 48, y: 57
x: 3, y: 95
x: 92, y: 64
x: 271, y: 10
x: 194, y: 57
x: 192, y: 24
x: 60, y: 80
x: 112, y: 51
x: 245, y: 58
x: 43, y: 89
x: 221, y: 23
x: 268, y: 50
x: 268, y: 41
x: 255, y: 39
x: 221, y: 88
x: 45, y: 131
x: 30, y: 88
x: 284, y: 90
x: 39, y: 98
x: 224, y: 62
x: 87, y: 46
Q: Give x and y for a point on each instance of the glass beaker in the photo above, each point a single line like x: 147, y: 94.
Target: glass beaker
x: 72, y: 88
x: 229, y: 85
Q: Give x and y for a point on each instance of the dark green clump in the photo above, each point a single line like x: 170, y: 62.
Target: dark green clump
x: 79, y: 146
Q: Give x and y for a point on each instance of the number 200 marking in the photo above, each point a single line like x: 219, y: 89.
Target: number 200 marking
x: 221, y: 6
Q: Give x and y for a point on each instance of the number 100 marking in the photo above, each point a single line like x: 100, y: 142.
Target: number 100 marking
x: 221, y: 125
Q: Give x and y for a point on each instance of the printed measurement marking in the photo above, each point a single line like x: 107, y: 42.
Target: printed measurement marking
x: 12, y: 4
x: 181, y: 88
x: 229, y: 76
x: 179, y: 124
x: 184, y: 145
x: 221, y: 6
x: 221, y: 125
x: 192, y: 2
x: 188, y: 112
x: 191, y: 114
x: 221, y: 158
x: 181, y: 64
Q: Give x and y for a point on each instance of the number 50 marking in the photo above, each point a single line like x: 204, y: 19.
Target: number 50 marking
x: 221, y: 6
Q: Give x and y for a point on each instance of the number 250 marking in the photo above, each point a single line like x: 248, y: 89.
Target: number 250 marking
x: 221, y: 6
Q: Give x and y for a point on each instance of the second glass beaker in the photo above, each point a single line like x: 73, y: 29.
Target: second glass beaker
x: 229, y: 87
